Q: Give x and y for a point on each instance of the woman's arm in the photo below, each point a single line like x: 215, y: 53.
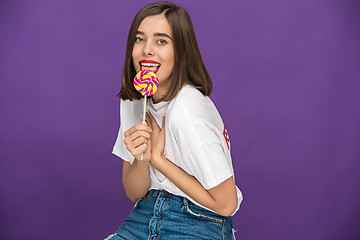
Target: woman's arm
x: 136, y: 179
x: 136, y: 176
x: 221, y: 199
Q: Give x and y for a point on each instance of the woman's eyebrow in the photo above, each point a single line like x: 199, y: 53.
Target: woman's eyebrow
x: 162, y: 35
x: 155, y: 34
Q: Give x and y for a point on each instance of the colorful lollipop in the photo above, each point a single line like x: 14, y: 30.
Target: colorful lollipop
x: 146, y: 82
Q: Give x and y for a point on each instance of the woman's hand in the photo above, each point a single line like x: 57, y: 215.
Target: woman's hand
x: 157, y: 140
x: 137, y: 141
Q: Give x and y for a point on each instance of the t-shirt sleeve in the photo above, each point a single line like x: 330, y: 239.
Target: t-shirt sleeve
x: 208, y: 163
x: 130, y: 114
x: 203, y: 150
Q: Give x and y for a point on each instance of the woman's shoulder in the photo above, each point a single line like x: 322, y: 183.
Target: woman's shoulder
x: 189, y: 90
x: 130, y: 103
x: 193, y: 115
x: 190, y: 105
x: 191, y: 97
x: 130, y: 111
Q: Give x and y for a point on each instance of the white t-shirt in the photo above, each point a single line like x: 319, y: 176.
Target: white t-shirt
x: 195, y: 139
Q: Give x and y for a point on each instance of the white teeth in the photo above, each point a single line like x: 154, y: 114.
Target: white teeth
x: 150, y: 64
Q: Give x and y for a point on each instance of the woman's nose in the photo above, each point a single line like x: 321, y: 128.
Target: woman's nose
x: 148, y: 49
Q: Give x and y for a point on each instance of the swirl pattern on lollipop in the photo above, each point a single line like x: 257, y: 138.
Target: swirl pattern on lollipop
x: 146, y: 82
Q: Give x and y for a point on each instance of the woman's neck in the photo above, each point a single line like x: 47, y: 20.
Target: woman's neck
x: 157, y: 96
x: 161, y: 92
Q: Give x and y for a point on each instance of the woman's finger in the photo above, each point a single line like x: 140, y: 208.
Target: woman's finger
x: 137, y: 142
x: 139, y: 150
x: 135, y: 135
x: 137, y: 127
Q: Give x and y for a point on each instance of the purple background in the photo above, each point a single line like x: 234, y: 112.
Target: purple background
x: 286, y: 81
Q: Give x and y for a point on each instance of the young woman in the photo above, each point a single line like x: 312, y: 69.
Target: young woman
x: 184, y: 185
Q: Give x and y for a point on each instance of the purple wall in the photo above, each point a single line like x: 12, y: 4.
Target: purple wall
x: 286, y: 81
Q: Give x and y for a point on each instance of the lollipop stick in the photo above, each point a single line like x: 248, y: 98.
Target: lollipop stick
x: 144, y: 111
x: 143, y: 121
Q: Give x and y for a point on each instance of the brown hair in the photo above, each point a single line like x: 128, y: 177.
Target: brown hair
x: 189, y: 67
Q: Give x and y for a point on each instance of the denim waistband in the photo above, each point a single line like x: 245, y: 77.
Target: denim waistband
x: 155, y: 193
x: 180, y: 199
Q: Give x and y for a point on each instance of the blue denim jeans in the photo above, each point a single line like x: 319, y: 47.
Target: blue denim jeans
x: 162, y: 215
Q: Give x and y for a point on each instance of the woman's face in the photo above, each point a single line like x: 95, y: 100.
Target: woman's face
x: 154, y: 49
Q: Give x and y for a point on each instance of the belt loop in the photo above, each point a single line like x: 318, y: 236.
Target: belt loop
x: 185, y: 201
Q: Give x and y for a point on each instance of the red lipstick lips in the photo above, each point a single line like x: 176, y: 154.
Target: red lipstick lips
x: 149, y: 65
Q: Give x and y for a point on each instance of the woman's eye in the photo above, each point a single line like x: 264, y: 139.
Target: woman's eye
x: 138, y: 39
x: 162, y: 42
